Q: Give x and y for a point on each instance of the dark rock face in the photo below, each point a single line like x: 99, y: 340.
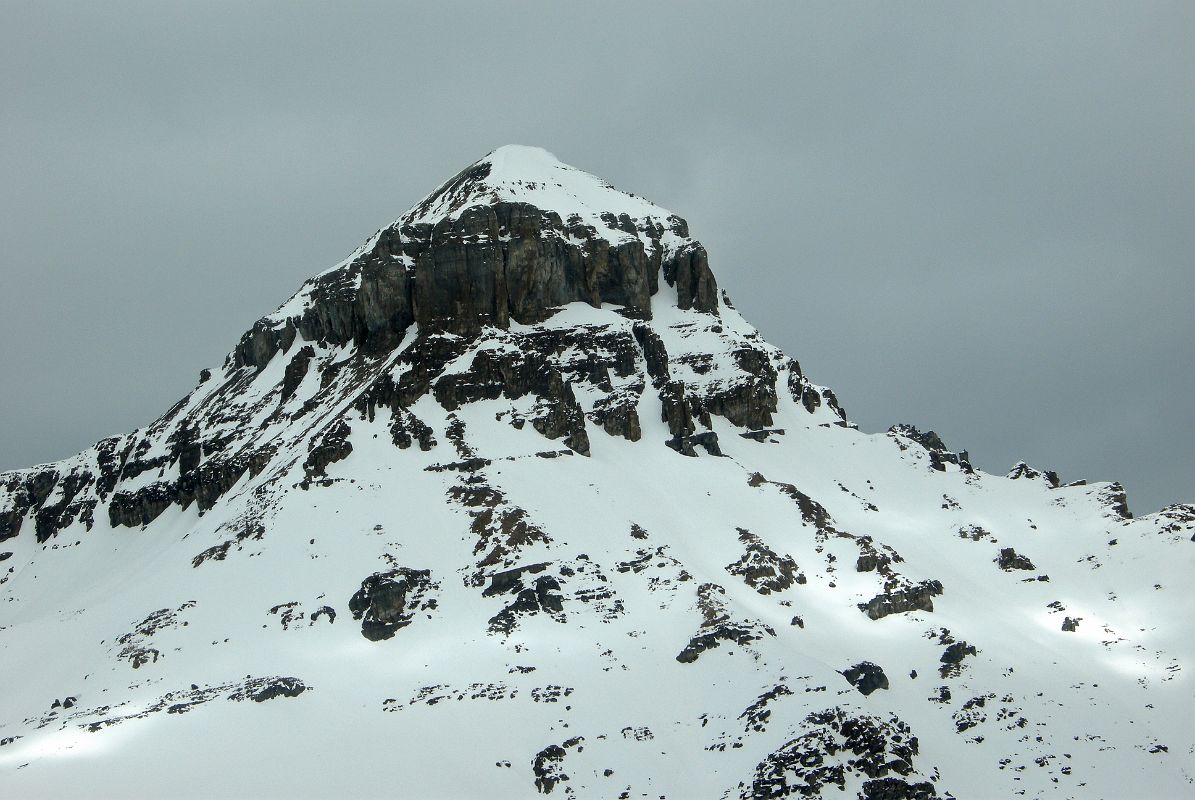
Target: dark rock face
x: 10, y: 524
x: 918, y: 597
x: 407, y: 429
x: 1113, y: 497
x: 530, y: 371
x: 689, y: 272
x: 654, y: 353
x: 867, y: 562
x: 748, y: 399
x: 488, y: 265
x: 511, y: 581
x: 618, y: 416
x: 547, y: 768
x: 388, y: 601
x: 332, y: 446
x: 216, y: 477
x: 142, y: 506
x: 52, y: 517
x: 202, y: 484
x: 1009, y: 560
x: 28, y: 493
x: 324, y: 611
x: 675, y: 409
x: 296, y: 370
x: 866, y: 677
x: 373, y: 316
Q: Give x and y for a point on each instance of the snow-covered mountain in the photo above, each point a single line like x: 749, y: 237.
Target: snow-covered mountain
x: 513, y: 501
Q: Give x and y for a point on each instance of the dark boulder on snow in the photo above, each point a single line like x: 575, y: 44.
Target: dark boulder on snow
x: 1009, y: 559
x: 866, y: 677
x: 548, y: 764
x: 388, y: 601
x: 952, y: 658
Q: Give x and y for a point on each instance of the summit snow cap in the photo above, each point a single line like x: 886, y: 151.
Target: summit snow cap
x: 521, y: 174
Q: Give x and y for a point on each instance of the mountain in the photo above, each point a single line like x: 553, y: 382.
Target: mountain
x: 512, y: 501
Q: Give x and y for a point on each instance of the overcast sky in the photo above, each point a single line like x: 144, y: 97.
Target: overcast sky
x: 976, y: 220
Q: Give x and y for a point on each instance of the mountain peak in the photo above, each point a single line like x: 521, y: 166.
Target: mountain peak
x: 517, y: 173
x: 515, y: 236
x: 523, y: 161
x: 531, y: 465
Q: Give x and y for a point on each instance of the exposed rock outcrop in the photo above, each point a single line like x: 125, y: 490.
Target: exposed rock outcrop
x: 918, y: 597
x: 762, y: 568
x: 542, y: 596
x: 388, y: 601
x: 489, y: 264
x: 1009, y: 559
x: 717, y: 626
x: 832, y: 746
x: 939, y: 454
x: 1021, y: 470
x: 952, y: 658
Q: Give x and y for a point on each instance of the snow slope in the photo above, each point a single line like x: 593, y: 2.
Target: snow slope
x: 601, y: 554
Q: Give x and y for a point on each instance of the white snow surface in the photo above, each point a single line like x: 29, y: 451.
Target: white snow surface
x: 152, y: 643
x: 522, y: 174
